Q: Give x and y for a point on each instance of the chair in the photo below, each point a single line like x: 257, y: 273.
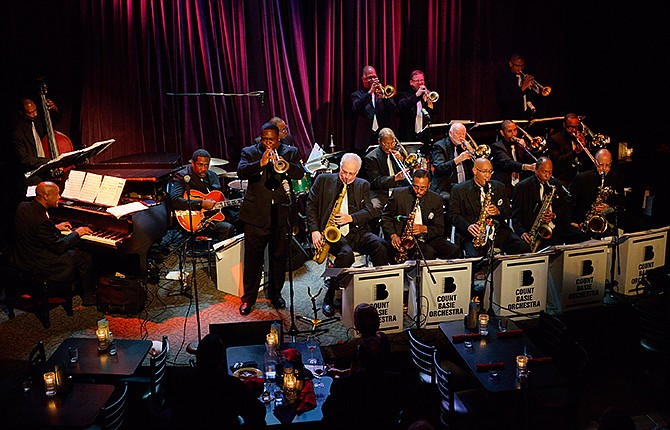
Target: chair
x: 652, y: 337
x: 461, y: 409
x: 150, y: 381
x: 114, y: 411
x: 422, y: 357
x: 37, y: 360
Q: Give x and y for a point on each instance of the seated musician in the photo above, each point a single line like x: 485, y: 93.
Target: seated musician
x: 383, y: 171
x: 590, y: 204
x: 41, y: 247
x: 352, y: 220
x: 466, y: 214
x: 510, y: 162
x: 527, y: 202
x: 425, y: 210
x: 451, y: 160
x: 205, y: 191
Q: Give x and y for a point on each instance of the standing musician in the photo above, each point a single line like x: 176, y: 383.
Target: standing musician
x: 509, y: 160
x: 417, y: 212
x: 415, y: 108
x: 513, y: 90
x: 383, y: 170
x: 566, y: 150
x: 469, y: 218
x: 198, y: 181
x: 585, y: 190
x: 373, y: 110
x: 265, y: 213
x: 527, y: 202
x: 352, y: 220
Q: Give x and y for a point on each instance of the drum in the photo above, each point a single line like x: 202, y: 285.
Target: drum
x: 301, y: 186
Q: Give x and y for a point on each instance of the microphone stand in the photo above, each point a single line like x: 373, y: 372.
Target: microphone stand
x: 419, y: 279
x: 612, y: 285
x: 489, y: 269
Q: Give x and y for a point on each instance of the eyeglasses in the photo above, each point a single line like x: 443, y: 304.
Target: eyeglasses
x: 486, y: 172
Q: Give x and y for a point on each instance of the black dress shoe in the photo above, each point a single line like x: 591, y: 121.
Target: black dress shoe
x: 280, y: 303
x: 245, y: 309
x: 328, y: 309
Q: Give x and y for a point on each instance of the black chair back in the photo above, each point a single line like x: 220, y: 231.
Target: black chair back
x: 114, y: 411
x: 422, y: 357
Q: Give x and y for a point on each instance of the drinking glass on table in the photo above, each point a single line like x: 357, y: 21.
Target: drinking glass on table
x: 311, y: 345
x: 503, y: 321
x: 318, y: 370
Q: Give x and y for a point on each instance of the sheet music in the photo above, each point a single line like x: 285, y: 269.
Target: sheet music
x: 129, y: 208
x: 73, y: 185
x: 90, y: 188
x: 109, y: 191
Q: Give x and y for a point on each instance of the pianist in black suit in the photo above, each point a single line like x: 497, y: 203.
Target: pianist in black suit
x: 41, y: 247
x: 203, y: 180
x: 265, y: 213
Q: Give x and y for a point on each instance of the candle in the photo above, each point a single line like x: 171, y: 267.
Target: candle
x: 50, y: 384
x: 101, y: 334
x: 629, y: 152
x: 521, y: 366
x: 270, y: 339
x: 483, y: 324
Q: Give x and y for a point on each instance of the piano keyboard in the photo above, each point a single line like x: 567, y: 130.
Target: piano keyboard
x: 100, y: 237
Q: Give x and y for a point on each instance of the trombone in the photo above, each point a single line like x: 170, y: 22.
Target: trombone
x: 535, y: 86
x: 537, y: 144
x: 279, y: 165
x: 409, y: 159
x: 476, y: 151
x: 598, y: 140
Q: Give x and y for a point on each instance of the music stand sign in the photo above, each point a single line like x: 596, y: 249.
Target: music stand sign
x: 448, y: 298
x: 520, y: 284
x: 577, y: 276
x: 382, y: 287
x: 639, y: 253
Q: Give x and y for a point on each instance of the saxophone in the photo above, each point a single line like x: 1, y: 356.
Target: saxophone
x: 595, y: 220
x: 407, y: 240
x: 480, y: 240
x: 540, y: 229
x: 331, y: 233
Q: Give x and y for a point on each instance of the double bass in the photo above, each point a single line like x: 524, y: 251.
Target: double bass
x: 55, y: 142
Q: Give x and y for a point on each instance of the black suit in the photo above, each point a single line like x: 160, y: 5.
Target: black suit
x: 407, y: 110
x: 381, y: 179
x: 526, y: 204
x: 509, y: 97
x: 584, y: 190
x: 42, y: 249
x: 445, y: 173
x: 567, y: 163
x: 465, y: 207
x: 433, y: 243
x: 25, y: 150
x: 504, y: 164
x: 361, y: 103
x: 320, y: 202
x: 265, y: 215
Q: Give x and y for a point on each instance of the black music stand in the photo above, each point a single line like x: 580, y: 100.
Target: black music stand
x: 73, y: 158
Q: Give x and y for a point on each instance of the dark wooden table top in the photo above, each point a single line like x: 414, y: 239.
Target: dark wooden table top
x: 491, y: 349
x: 94, y: 363
x: 78, y: 408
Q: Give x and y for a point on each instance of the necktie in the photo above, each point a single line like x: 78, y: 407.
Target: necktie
x: 524, y: 96
x: 375, y: 125
x: 38, y: 142
x: 418, y: 219
x: 515, y: 175
x: 389, y: 162
x: 344, y: 229
x: 460, y: 172
x: 418, y: 122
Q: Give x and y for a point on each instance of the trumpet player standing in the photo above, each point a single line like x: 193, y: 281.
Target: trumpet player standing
x: 415, y: 107
x: 375, y: 108
x: 513, y: 90
x: 470, y: 216
x: 415, y: 212
x: 527, y: 204
x: 265, y: 213
x: 352, y: 220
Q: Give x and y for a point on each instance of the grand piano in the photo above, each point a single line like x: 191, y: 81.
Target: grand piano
x: 121, y: 245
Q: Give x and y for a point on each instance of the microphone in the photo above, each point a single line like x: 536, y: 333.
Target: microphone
x: 262, y: 93
x: 187, y: 179
x: 531, y: 106
x: 287, y: 188
x: 425, y: 114
x: 401, y: 218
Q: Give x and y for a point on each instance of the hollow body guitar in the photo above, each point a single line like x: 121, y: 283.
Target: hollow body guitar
x: 203, y: 217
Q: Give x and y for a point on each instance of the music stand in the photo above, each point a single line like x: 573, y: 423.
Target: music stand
x: 72, y: 158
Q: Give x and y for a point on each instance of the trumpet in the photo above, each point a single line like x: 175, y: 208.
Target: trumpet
x: 535, y: 86
x: 431, y: 96
x: 598, y: 140
x: 536, y: 144
x: 384, y: 91
x: 279, y: 165
x: 476, y: 151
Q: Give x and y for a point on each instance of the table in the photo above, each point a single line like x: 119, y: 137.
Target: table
x: 490, y: 349
x: 255, y: 353
x: 99, y: 364
x: 76, y: 409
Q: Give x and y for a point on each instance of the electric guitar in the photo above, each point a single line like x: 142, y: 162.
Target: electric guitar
x: 203, y: 217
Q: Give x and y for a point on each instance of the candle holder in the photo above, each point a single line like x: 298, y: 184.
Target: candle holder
x: 290, y: 384
x: 101, y: 335
x: 483, y: 324
x: 521, y: 366
x: 50, y: 384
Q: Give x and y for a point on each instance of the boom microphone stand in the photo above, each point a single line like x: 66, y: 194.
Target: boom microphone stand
x: 419, y: 279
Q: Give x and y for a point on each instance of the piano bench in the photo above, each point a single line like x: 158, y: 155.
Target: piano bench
x: 35, y: 294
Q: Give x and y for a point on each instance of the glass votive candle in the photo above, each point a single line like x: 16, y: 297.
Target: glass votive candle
x: 483, y: 324
x: 270, y: 338
x: 521, y: 366
x: 101, y: 334
x: 50, y: 384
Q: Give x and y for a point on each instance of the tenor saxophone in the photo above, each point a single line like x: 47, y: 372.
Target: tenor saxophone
x: 594, y: 220
x: 480, y: 240
x: 331, y: 233
x: 407, y: 239
x: 540, y: 229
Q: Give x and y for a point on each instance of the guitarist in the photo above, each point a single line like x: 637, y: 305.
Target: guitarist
x: 197, y: 177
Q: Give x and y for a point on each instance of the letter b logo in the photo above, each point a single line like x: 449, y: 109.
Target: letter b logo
x: 527, y: 278
x: 587, y: 268
x: 381, y: 293
x: 449, y: 285
x: 648, y: 253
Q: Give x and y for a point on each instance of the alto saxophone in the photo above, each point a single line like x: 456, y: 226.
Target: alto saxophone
x: 331, y: 233
x: 407, y: 240
x: 594, y: 220
x: 480, y: 240
x: 540, y: 229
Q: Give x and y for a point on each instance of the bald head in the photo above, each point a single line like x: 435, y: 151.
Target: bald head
x: 482, y: 171
x: 47, y: 194
x: 28, y: 110
x: 603, y: 161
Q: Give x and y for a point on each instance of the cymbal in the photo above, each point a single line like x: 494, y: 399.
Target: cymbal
x: 332, y: 154
x: 317, y: 165
x: 219, y: 171
x: 230, y: 175
x: 217, y: 162
x: 238, y: 184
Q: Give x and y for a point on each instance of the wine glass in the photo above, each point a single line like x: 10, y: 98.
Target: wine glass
x: 318, y: 370
x: 311, y: 346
